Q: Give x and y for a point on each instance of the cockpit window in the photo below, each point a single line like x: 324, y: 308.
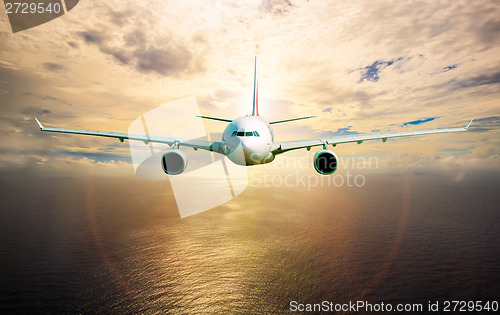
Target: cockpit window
x: 245, y: 134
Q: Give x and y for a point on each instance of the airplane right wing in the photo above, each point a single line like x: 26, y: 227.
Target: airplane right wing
x: 193, y: 143
x: 281, y: 147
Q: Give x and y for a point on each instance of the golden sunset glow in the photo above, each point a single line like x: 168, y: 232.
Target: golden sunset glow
x: 359, y: 66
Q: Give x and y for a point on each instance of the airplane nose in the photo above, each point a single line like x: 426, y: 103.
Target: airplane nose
x: 254, y: 153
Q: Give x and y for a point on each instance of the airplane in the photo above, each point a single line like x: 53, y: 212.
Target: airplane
x: 249, y: 140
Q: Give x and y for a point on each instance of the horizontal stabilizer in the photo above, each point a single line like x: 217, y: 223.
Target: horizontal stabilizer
x: 215, y: 118
x: 287, y: 120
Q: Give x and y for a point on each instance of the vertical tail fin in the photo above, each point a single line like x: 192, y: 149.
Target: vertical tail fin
x: 255, y: 111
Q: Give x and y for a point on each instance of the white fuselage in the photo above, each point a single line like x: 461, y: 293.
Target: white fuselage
x: 248, y: 140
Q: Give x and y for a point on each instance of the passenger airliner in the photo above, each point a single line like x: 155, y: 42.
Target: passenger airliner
x: 249, y: 140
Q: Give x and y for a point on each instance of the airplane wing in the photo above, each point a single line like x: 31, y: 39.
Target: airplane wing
x: 281, y: 147
x: 193, y: 143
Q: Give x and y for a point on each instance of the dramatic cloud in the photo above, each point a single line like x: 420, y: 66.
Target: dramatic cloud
x: 487, y: 124
x: 162, y: 61
x: 92, y: 37
x: 483, y: 79
x: 358, y: 66
x: 168, y: 60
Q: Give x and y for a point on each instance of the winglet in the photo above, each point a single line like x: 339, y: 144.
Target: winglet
x: 470, y: 122
x: 39, y: 124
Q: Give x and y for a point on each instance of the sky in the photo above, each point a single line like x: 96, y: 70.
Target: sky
x: 360, y: 66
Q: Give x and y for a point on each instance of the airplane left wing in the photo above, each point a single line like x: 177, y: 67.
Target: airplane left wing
x: 281, y: 147
x: 193, y: 143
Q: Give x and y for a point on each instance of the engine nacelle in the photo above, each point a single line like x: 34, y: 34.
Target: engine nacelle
x: 269, y: 158
x: 174, y: 162
x: 325, y: 162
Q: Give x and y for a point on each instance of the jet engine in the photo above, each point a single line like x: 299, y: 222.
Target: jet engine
x: 174, y: 162
x: 325, y: 162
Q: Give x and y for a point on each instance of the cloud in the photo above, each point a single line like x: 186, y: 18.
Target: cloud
x: 119, y: 18
x: 95, y: 156
x: 489, y: 31
x: 461, y: 162
x: 276, y: 7
x: 96, y: 38
x: 53, y: 67
x: 79, y: 166
x: 72, y: 44
x: 486, y: 124
x: 163, y: 61
x: 480, y: 80
x: 341, y: 132
x: 170, y: 59
x: 103, y: 65
x: 53, y: 99
x: 92, y: 37
x: 39, y: 112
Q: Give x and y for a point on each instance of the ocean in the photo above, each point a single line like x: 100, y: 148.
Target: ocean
x: 117, y: 245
